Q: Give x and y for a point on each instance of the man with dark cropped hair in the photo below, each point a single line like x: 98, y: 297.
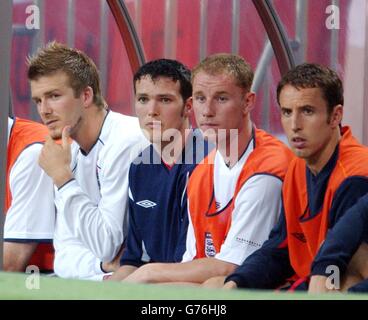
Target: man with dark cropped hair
x: 158, y: 177
x: 328, y: 176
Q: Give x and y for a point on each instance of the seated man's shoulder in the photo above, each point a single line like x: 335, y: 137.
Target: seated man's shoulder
x: 32, y: 152
x: 128, y: 125
x: 124, y: 132
x: 145, y: 159
x: 196, y: 149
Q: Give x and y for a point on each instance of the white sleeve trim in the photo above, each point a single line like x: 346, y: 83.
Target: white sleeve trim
x: 191, y: 250
x: 131, y: 195
x: 28, y: 236
x: 256, y: 210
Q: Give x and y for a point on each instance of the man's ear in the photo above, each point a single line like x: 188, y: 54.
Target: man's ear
x: 336, y: 115
x: 249, y: 100
x: 87, y: 96
x: 188, y: 107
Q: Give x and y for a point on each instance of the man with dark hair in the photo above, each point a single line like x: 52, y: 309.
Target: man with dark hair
x: 91, y: 174
x: 158, y: 178
x: 234, y: 193
x: 328, y: 176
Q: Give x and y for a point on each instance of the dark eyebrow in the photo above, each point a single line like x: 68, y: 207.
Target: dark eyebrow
x: 50, y: 92
x: 166, y: 95
x: 47, y: 93
x: 163, y: 95
x: 285, y: 109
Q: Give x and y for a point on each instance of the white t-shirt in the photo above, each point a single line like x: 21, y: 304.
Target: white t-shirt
x: 92, y: 209
x: 256, y: 210
x: 31, y: 215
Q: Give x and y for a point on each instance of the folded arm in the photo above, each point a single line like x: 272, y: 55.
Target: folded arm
x: 196, y: 271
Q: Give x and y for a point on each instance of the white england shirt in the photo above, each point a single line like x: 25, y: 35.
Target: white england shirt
x: 92, y: 209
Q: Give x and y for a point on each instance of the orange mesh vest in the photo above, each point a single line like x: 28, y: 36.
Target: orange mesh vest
x: 23, y: 134
x: 305, y: 237
x: 270, y: 156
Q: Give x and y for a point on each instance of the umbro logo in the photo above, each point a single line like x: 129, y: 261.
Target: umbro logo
x: 300, y: 236
x: 146, y: 204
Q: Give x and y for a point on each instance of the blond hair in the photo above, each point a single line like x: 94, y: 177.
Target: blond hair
x: 231, y: 64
